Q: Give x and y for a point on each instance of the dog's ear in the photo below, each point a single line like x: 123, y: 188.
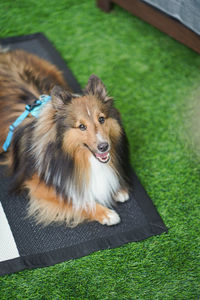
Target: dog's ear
x: 96, y: 87
x: 59, y: 97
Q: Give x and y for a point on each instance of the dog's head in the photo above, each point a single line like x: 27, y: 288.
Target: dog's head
x: 89, y: 123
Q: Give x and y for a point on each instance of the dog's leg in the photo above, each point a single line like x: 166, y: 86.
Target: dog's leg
x: 46, y: 207
x: 121, y: 196
x: 103, y: 215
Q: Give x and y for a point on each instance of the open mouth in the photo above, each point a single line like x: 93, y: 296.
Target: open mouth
x: 103, y: 157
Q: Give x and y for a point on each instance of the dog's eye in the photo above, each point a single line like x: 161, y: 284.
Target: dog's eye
x: 101, y: 120
x: 82, y: 127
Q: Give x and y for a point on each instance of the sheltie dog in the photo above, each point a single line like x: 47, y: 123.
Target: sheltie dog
x: 73, y: 158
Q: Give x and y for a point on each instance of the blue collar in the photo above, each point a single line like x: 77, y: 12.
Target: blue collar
x: 34, y: 109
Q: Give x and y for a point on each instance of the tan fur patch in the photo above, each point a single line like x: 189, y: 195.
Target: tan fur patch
x: 80, y: 154
x: 45, y: 132
x: 113, y: 129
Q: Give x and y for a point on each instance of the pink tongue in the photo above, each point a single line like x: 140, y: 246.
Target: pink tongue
x: 102, y: 155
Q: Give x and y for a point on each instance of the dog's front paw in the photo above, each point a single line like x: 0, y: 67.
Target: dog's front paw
x: 121, y: 196
x: 103, y: 215
x: 111, y: 218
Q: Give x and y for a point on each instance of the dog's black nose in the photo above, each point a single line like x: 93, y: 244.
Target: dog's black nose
x: 103, y: 147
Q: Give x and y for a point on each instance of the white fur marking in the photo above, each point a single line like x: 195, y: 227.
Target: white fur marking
x: 104, y: 182
x: 88, y: 111
x: 122, y: 196
x: 76, y: 95
x: 111, y: 219
x: 100, y: 138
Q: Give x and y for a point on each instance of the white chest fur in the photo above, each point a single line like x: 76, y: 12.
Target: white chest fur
x: 104, y: 182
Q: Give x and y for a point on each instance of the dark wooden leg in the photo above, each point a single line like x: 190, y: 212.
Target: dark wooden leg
x: 160, y: 20
x: 105, y: 5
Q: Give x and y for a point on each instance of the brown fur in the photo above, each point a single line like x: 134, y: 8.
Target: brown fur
x: 18, y: 73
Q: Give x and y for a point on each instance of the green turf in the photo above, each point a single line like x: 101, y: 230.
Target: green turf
x: 153, y: 79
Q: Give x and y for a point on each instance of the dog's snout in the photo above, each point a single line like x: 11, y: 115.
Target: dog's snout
x: 103, y: 147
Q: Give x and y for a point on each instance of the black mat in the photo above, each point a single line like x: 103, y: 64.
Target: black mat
x: 38, y: 246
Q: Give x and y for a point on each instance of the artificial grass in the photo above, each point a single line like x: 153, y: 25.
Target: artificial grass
x: 153, y: 79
